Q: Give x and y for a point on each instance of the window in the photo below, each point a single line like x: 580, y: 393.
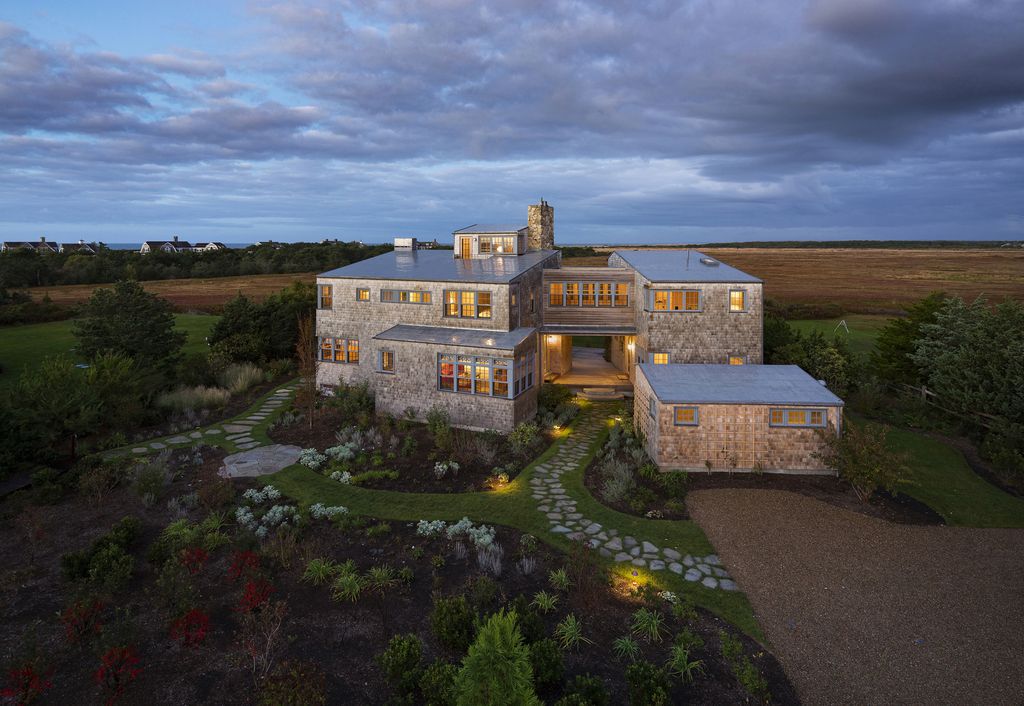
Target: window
x: 796, y: 417
x: 685, y: 416
x: 473, y: 375
x: 659, y: 358
x: 588, y: 294
x: 675, y: 300
x: 556, y: 294
x: 572, y: 293
x: 467, y: 305
x: 604, y: 294
x: 532, y: 299
x: 737, y: 300
x: 362, y: 294
x: 497, y: 244
x: 621, y: 294
x: 737, y: 360
x: 339, y: 350
x: 325, y: 298
x: 652, y: 408
x: 386, y: 361
x: 402, y: 296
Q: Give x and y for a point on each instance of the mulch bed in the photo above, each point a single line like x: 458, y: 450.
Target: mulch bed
x: 340, y: 638
x: 415, y: 469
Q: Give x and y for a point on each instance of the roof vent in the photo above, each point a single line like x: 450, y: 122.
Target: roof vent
x: 709, y: 262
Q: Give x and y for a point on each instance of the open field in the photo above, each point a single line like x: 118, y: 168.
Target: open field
x: 21, y: 346
x: 863, y: 330
x: 186, y: 294
x: 872, y: 280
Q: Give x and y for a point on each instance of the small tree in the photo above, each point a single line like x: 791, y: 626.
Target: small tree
x: 497, y: 669
x: 129, y: 320
x: 863, y: 458
x: 306, y: 353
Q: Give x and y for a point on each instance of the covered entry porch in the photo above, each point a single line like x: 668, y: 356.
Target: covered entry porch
x: 588, y: 358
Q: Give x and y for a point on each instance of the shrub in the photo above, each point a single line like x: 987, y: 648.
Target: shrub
x: 194, y: 559
x: 618, y: 481
x: 320, y: 571
x: 626, y: 647
x: 680, y: 665
x: 239, y: 377
x: 370, y: 476
x: 453, y: 622
x: 26, y: 684
x: 675, y: 483
x: 559, y: 579
x: 106, y: 563
x: 119, y: 667
x: 648, y: 685
x: 437, y: 684
x: 97, y: 481
x: 255, y: 596
x: 569, y: 633
x: 497, y: 671
x: 751, y: 679
x: 862, y: 458
x: 183, y: 399
x: 400, y: 662
x: 150, y: 481
x: 348, y: 586
x: 294, y: 684
x: 82, y: 620
x: 731, y: 646
x: 191, y: 628
x: 531, y: 625
x: 545, y: 602
x: 524, y: 437
x: 439, y: 425
x: 546, y: 661
x: 312, y: 459
x: 648, y: 624
x: 588, y: 690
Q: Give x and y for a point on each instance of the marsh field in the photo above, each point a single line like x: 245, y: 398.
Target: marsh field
x: 866, y: 281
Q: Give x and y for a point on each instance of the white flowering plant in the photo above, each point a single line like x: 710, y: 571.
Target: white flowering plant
x: 443, y: 468
x: 431, y: 528
x: 342, y: 452
x: 261, y: 521
x: 343, y: 477
x: 312, y: 459
x: 321, y: 512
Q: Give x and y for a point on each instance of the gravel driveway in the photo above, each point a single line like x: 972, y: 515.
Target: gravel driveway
x: 861, y: 611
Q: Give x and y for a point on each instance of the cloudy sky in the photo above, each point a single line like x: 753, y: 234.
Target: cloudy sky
x: 639, y: 121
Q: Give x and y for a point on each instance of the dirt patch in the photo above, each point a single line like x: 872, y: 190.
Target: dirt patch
x: 864, y: 611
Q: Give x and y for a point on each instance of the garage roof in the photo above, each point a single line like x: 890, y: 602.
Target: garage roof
x: 736, y: 384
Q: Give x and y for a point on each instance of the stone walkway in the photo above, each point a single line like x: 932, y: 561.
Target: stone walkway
x: 238, y: 431
x: 261, y: 461
x: 560, y: 509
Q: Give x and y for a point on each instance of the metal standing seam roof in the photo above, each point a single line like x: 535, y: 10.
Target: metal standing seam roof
x: 489, y: 228
x: 448, y: 336
x: 681, y: 265
x: 440, y: 266
x: 736, y: 384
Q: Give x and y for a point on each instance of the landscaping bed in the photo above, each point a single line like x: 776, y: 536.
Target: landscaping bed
x: 192, y: 615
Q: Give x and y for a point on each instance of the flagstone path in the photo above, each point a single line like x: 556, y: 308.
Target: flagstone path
x: 560, y: 508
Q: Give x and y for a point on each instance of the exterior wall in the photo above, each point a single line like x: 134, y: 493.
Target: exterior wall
x: 727, y: 434
x: 529, y: 304
x: 707, y: 336
x: 619, y: 317
x: 557, y: 354
x: 414, y: 386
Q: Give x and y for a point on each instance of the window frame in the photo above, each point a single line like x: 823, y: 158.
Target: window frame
x: 405, y: 296
x: 381, y: 354
x: 675, y: 415
x: 334, y: 346
x: 460, y: 303
x: 742, y: 358
x: 807, y: 411
x: 360, y: 291
x: 653, y: 295
x: 652, y: 357
x: 743, y: 293
x: 320, y: 298
x: 484, y: 375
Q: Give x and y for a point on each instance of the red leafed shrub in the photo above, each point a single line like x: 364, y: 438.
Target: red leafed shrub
x: 256, y: 595
x: 82, y: 620
x: 243, y: 563
x: 194, y: 559
x: 191, y: 628
x: 119, y: 668
x: 25, y: 685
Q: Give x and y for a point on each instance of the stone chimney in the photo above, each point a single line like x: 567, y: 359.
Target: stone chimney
x: 540, y: 224
x: 175, y: 238
x: 42, y: 240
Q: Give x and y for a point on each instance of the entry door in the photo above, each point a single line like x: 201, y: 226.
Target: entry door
x: 466, y: 247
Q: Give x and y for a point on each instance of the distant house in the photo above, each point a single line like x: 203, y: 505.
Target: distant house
x: 269, y: 244
x: 429, y: 245
x: 80, y: 248
x: 172, y: 246
x: 41, y: 246
x: 208, y: 247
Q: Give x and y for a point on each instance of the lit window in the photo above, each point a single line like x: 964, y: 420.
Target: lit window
x: 339, y: 350
x: 484, y: 376
x: 621, y: 294
x: 659, y: 358
x: 737, y: 360
x: 403, y: 296
x: 387, y: 361
x: 797, y: 417
x: 353, y: 350
x: 326, y: 296
x: 572, y: 294
x: 362, y: 295
x: 326, y: 349
x: 556, y: 294
x: 604, y: 294
x: 660, y: 301
x: 737, y: 300
x: 685, y: 416
x: 483, y: 305
x: 588, y: 294
x: 692, y: 301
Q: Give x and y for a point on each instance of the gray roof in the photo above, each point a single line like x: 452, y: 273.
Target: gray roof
x: 441, y: 266
x: 736, y: 384
x: 502, y: 228
x: 681, y: 265
x: 468, y: 337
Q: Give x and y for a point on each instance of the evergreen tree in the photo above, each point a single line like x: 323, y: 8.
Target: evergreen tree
x: 497, y: 669
x: 892, y: 358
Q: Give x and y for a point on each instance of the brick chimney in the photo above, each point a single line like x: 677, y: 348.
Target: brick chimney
x: 540, y: 223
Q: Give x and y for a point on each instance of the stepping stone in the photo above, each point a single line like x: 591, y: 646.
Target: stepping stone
x: 728, y: 585
x: 635, y: 551
x: 712, y: 559
x: 672, y: 554
x: 614, y: 544
x: 559, y: 529
x: 709, y: 582
x: 196, y: 435
x: 613, y: 532
x: 721, y: 573
x: 691, y: 575
x: 140, y: 450
x: 250, y: 445
x: 623, y: 556
x: 601, y: 536
x: 593, y: 543
x: 688, y: 560
x: 157, y: 445
x: 704, y: 569
x: 639, y: 562
x: 650, y: 548
x: 628, y: 542
x: 577, y: 536
x: 543, y: 508
x: 554, y: 516
x: 605, y: 553
x: 675, y: 567
x: 657, y: 565
x: 177, y: 440
x: 574, y: 516
x: 213, y: 432
x: 594, y: 528
x: 236, y: 428
x: 259, y: 461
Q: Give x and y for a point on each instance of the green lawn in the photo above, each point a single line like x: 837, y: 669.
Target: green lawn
x: 21, y: 346
x: 588, y: 341
x: 864, y: 329
x: 514, y: 506
x: 942, y: 480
